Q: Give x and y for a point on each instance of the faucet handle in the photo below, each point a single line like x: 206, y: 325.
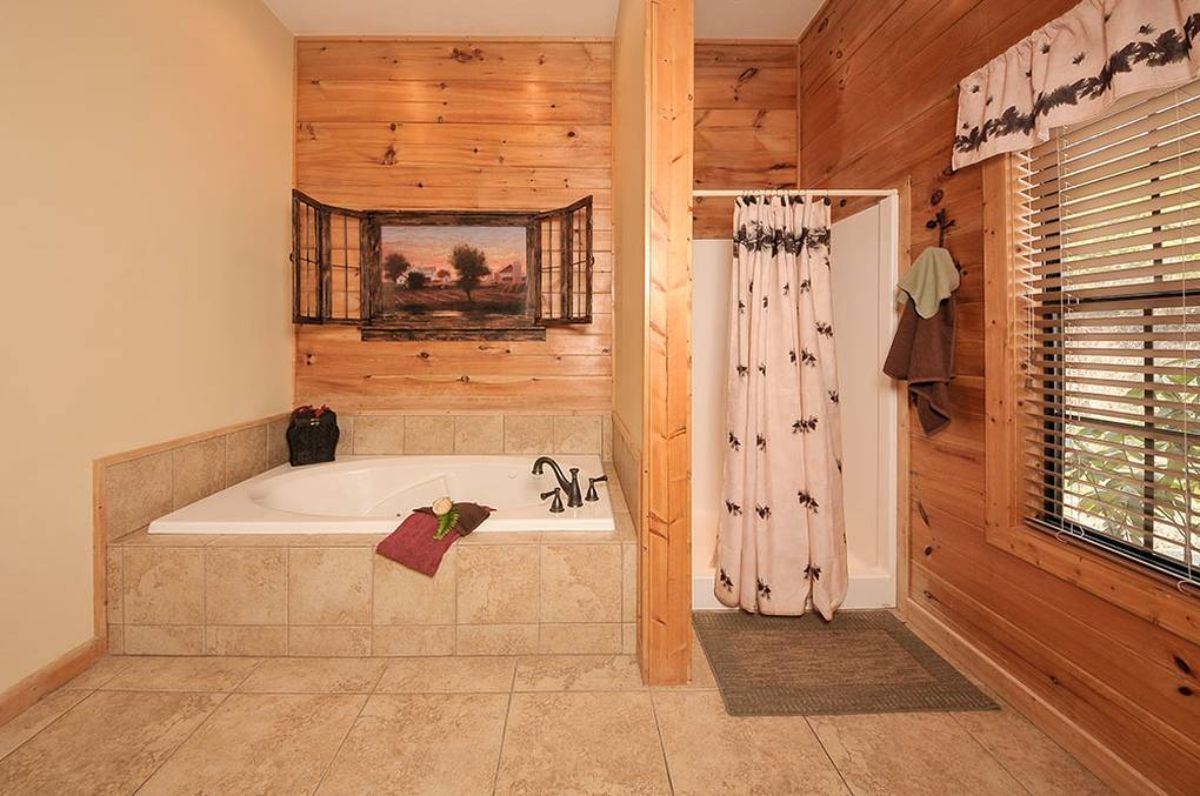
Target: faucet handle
x: 591, y: 493
x: 556, y: 506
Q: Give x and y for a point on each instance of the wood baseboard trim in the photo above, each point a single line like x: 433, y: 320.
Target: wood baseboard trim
x: 1097, y: 757
x: 46, y: 679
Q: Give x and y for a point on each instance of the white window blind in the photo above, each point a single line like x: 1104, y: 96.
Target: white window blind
x: 1109, y: 292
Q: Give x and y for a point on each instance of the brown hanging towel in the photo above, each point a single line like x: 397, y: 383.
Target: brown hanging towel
x: 922, y: 351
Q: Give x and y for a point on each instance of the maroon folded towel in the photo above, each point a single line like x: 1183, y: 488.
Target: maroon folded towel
x: 413, y: 543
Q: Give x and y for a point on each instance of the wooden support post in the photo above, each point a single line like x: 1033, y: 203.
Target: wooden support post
x: 666, y: 593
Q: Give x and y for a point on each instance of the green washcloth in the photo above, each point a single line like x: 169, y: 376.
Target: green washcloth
x: 930, y: 280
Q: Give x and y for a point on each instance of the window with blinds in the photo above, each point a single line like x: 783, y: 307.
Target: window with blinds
x: 1109, y: 297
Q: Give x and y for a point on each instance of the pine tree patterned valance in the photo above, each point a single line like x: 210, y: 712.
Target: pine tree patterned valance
x: 1072, y: 70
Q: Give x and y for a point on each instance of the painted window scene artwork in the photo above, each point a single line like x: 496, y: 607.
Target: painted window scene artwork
x: 454, y: 272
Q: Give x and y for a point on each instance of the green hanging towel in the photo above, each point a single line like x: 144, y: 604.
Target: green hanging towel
x: 931, y: 279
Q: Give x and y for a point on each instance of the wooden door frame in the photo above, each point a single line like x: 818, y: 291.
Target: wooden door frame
x: 903, y: 420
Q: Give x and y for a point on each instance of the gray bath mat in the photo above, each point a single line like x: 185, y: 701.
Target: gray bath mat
x: 861, y: 662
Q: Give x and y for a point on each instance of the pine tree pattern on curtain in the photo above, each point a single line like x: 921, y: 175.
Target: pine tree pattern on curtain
x: 781, y: 538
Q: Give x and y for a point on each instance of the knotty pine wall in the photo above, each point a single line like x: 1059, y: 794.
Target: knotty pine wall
x: 877, y: 93
x: 458, y: 125
x: 745, y: 123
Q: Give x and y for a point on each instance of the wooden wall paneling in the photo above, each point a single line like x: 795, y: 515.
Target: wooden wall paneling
x: 428, y: 124
x: 745, y: 123
x: 487, y: 60
x: 468, y: 101
x: 1075, y: 692
x: 388, y: 143
x: 936, y: 533
x: 837, y: 30
x: 877, y: 87
x: 1101, y: 653
x: 911, y: 64
x: 1083, y: 650
x: 666, y: 568
x: 951, y: 643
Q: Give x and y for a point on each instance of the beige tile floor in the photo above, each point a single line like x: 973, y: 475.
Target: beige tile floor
x: 521, y: 725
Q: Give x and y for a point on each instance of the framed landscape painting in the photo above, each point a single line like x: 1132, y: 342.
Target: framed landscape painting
x: 444, y: 275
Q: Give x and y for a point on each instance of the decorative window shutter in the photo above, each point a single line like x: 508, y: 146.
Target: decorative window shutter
x: 327, y: 262
x: 563, y: 251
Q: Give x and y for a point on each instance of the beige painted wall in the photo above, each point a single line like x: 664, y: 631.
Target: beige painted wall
x: 631, y: 205
x: 146, y: 164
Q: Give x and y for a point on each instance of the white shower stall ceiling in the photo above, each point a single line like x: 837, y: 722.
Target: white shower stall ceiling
x: 864, y: 275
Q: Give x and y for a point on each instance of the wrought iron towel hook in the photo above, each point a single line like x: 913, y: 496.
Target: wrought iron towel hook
x: 941, y: 222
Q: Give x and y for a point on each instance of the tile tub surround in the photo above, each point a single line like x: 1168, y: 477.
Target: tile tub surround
x: 138, y: 486
x: 135, y: 487
x: 545, y: 433
x: 627, y: 462
x: 330, y: 595
x: 132, y: 488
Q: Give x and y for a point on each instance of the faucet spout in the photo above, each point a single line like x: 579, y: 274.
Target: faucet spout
x: 568, y: 485
x: 540, y: 463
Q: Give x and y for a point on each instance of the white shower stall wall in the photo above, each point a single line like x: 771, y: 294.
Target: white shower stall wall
x: 865, y: 251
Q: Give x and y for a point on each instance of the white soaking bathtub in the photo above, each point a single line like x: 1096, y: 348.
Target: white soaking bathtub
x: 373, y: 494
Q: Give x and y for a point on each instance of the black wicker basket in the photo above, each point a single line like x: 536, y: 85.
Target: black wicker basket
x: 312, y: 435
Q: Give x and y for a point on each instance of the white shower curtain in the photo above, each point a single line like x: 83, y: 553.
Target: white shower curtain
x: 781, y: 539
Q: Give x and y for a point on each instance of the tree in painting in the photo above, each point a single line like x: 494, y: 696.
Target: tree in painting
x: 450, y: 273
x: 471, y: 264
x: 395, y: 265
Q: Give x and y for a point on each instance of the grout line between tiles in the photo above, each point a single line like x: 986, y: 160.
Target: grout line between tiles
x: 287, y: 604
x: 223, y: 697
x: 349, y: 729
x: 504, y: 731
x: 250, y: 673
x: 989, y: 752
x: 125, y: 664
x: 383, y: 670
x: 662, y: 747
x: 204, y: 600
x: 642, y: 690
x: 287, y: 600
x: 371, y: 602
x: 86, y: 696
x: 121, y: 555
x: 828, y: 756
x: 247, y: 693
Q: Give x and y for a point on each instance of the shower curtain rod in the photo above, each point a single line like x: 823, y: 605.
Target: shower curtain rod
x: 788, y: 191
